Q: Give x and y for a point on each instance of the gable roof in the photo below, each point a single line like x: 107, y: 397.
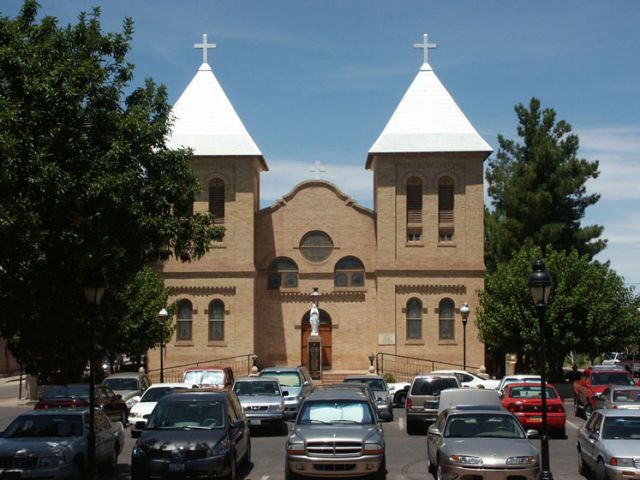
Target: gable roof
x: 428, y: 120
x: 205, y: 120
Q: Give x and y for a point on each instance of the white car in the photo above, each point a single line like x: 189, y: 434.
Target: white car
x: 467, y: 379
x: 398, y: 392
x: 523, y: 378
x: 143, y: 408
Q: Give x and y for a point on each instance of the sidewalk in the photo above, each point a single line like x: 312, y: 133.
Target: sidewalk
x: 12, y: 400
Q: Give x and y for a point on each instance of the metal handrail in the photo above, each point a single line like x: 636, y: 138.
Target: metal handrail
x: 405, y: 368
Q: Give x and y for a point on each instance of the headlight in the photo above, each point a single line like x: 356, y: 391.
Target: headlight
x: 51, y: 460
x: 621, y: 462
x: 135, y: 415
x: 221, y: 448
x: 465, y: 460
x: 373, y: 448
x: 138, y: 450
x: 276, y: 408
x: 295, y: 447
x: 521, y: 460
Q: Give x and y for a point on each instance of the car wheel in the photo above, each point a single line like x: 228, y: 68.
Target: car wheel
x: 78, y: 469
x: 390, y: 416
x: 246, y: 460
x: 123, y: 418
x: 582, y: 467
x: 601, y: 472
x: 413, y: 427
x: 381, y: 474
x: 400, y: 398
x: 576, y: 407
x: 431, y: 468
x: 439, y: 475
x: 284, y: 428
x: 588, y: 411
x: 112, y: 463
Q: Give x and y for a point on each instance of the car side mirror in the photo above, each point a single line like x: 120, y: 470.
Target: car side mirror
x: 136, y: 399
x: 596, y: 396
x: 594, y: 436
x: 141, y: 425
x: 118, y: 397
x: 434, y: 431
x: 147, y: 416
x: 533, y: 434
x: 238, y: 424
x: 306, y: 383
x: 285, y: 393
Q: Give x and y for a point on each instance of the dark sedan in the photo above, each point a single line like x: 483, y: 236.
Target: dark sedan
x: 193, y: 434
x: 77, y: 395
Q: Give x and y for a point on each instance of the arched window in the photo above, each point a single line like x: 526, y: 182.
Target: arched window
x: 445, y: 209
x: 216, y: 321
x: 414, y: 319
x: 184, y: 321
x: 316, y: 246
x: 349, y: 273
x: 414, y: 209
x: 216, y: 200
x: 447, y: 316
x: 283, y: 273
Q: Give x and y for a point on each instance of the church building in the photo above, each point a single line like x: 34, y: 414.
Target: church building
x: 388, y: 280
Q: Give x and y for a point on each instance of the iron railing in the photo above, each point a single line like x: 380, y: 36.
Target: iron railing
x: 241, y: 365
x: 405, y: 368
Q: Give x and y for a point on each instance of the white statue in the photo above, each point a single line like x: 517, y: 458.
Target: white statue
x: 314, y: 319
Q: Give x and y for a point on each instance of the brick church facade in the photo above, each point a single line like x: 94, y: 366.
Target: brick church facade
x: 391, y: 279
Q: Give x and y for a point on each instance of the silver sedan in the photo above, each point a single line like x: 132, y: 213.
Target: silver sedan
x: 483, y: 444
x: 609, y: 443
x: 618, y: 396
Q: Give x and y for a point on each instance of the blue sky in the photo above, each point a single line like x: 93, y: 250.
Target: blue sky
x: 318, y: 80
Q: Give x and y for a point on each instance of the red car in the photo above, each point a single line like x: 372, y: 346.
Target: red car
x: 523, y: 400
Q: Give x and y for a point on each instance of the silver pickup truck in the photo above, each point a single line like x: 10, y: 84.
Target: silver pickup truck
x: 336, y: 435
x: 53, y: 444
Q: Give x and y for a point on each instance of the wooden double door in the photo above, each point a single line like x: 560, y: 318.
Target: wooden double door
x: 324, y: 330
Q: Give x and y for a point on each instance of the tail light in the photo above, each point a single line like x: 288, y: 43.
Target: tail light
x: 409, y: 404
x: 557, y: 408
x: 39, y: 406
x: 512, y: 407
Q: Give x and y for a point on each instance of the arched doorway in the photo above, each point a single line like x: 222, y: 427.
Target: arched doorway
x: 325, y: 333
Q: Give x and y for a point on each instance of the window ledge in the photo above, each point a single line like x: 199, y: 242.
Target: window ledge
x: 414, y: 244
x: 417, y: 341
x: 287, y: 289
x: 446, y: 244
x: 183, y: 343
x: 447, y: 342
x: 349, y: 289
x: 217, y: 343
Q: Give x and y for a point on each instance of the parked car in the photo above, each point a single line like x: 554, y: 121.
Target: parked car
x: 192, y: 434
x: 381, y: 390
x: 209, y: 377
x: 53, y: 444
x: 363, y: 388
x: 142, y: 409
x: 481, y: 443
x: 523, y: 400
x: 296, y: 381
x: 618, y: 396
x: 628, y: 360
x: 77, y: 395
x: 592, y: 382
x: 423, y: 400
x: 262, y: 401
x: 468, y: 379
x: 129, y: 385
x: 609, y: 443
x: 466, y: 397
x: 336, y: 434
x: 398, y: 392
x: 520, y: 378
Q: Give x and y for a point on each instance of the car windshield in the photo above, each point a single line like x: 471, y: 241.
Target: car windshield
x: 286, y: 379
x: 122, y: 383
x: 335, y: 412
x: 29, y: 426
x: 376, y: 384
x: 531, y: 391
x: 62, y: 391
x: 155, y: 394
x: 257, y: 388
x: 204, y: 377
x: 621, y: 428
x: 626, y: 396
x: 187, y: 415
x: 483, y: 425
x: 611, y: 378
x: 432, y: 386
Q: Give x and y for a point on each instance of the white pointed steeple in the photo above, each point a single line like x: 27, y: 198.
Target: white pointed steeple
x: 428, y: 120
x: 205, y: 120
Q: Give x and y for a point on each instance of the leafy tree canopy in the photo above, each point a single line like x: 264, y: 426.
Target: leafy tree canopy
x: 590, y: 310
x: 86, y: 184
x: 538, y: 190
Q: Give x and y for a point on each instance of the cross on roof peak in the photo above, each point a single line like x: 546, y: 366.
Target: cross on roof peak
x: 205, y: 47
x: 317, y: 169
x: 425, y: 46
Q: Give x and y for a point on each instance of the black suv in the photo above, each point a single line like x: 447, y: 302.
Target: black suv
x: 192, y: 434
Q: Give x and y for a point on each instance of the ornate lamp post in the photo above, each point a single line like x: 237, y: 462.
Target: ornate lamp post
x: 464, y: 312
x: 371, y: 359
x: 540, y: 284
x: 163, y: 315
x: 254, y: 359
x: 93, y: 292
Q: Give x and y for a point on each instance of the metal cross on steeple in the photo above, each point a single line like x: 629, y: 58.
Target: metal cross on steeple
x: 317, y: 169
x: 425, y: 45
x: 204, y: 46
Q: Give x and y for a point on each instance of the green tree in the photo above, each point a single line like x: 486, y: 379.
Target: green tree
x: 590, y: 310
x: 537, y: 189
x: 86, y: 184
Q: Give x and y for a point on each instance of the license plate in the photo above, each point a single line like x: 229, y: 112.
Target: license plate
x: 535, y: 419
x: 254, y: 421
x: 176, y: 467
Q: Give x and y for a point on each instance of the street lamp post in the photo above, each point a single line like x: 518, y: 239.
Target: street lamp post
x: 540, y: 284
x: 93, y: 291
x: 163, y: 315
x: 254, y: 359
x: 464, y: 312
